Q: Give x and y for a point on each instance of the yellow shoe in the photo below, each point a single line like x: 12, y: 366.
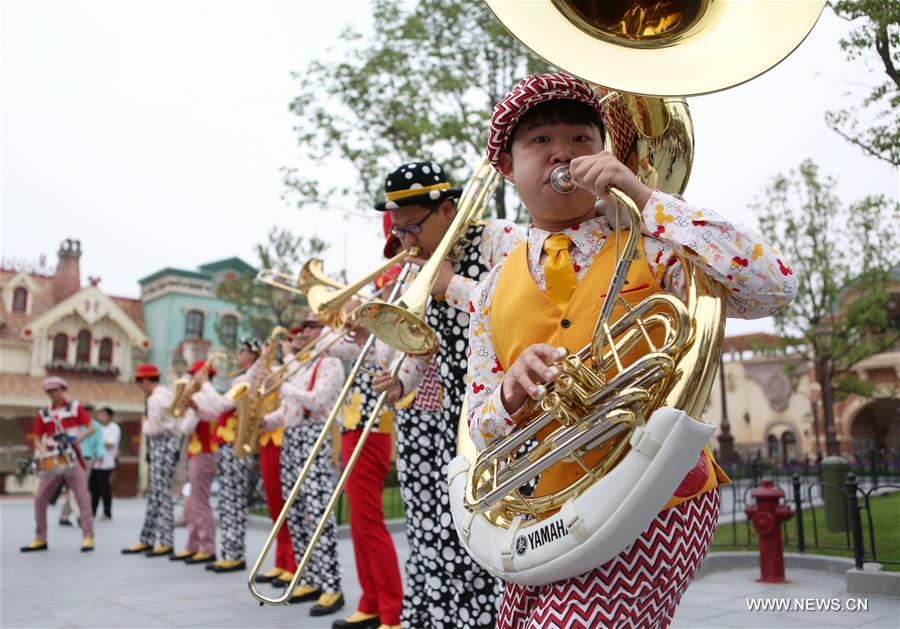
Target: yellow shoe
x: 134, y: 549
x: 359, y: 617
x: 207, y: 558
x: 328, y: 603
x: 271, y: 575
x: 229, y: 565
x: 304, y: 593
x: 388, y: 626
x: 37, y: 544
x: 159, y: 551
x: 87, y: 544
x: 182, y: 555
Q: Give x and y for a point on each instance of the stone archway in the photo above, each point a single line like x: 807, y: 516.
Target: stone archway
x: 876, y: 424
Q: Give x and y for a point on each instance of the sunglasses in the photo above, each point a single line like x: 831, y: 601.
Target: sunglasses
x: 413, y: 230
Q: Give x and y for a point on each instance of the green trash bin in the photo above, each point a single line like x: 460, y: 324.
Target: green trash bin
x: 834, y: 492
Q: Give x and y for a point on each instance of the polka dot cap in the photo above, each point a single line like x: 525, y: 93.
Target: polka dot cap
x: 414, y: 183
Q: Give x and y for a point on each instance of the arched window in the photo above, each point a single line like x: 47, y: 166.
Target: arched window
x: 789, y: 446
x: 194, y: 325
x: 20, y: 299
x: 228, y: 331
x: 774, y: 450
x: 83, y: 349
x: 106, y: 352
x: 60, y: 348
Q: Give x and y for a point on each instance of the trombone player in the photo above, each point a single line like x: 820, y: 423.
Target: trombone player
x: 445, y: 587
x: 307, y: 397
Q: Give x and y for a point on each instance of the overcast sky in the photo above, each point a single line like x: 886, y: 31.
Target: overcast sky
x: 154, y: 132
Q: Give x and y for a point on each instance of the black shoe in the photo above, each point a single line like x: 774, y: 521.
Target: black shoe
x: 34, y: 546
x: 280, y: 583
x: 229, y: 566
x: 65, y: 523
x: 369, y: 623
x: 323, y: 610
x: 201, y: 558
x: 137, y: 549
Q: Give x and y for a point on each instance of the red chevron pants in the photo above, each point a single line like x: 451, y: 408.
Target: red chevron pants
x: 641, y: 587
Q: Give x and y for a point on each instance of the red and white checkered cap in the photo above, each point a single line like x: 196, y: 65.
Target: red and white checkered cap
x: 532, y: 90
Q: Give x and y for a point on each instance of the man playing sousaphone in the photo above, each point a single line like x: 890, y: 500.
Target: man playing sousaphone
x: 55, y: 433
x: 548, y: 293
x: 444, y: 588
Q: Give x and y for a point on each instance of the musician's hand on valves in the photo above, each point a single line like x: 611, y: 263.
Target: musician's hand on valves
x: 528, y: 375
x: 596, y: 173
x: 384, y: 382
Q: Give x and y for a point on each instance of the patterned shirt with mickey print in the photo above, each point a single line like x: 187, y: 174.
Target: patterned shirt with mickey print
x: 758, y: 282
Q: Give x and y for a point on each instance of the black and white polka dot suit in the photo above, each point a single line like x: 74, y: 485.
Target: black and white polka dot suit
x: 444, y: 586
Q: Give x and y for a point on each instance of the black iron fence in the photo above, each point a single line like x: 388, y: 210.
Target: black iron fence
x: 875, y: 474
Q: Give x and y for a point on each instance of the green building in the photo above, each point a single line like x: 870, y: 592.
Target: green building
x: 184, y: 318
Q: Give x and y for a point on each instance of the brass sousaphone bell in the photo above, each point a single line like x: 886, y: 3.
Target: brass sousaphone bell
x: 627, y: 424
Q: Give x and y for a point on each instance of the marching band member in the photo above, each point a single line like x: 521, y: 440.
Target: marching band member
x: 377, y: 567
x: 307, y: 398
x: 158, y: 532
x: 233, y: 480
x: 197, y: 426
x: 566, y: 263
x: 54, y: 423
x: 445, y: 587
x: 270, y: 442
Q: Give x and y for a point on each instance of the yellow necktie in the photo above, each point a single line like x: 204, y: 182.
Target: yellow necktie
x: 558, y: 269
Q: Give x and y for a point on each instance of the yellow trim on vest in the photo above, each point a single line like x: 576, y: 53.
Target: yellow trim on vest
x: 352, y: 415
x: 228, y: 432
x: 274, y: 436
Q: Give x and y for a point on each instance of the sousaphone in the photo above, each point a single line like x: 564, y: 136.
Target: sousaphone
x: 631, y: 423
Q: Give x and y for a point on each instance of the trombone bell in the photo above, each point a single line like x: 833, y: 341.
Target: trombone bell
x: 400, y: 327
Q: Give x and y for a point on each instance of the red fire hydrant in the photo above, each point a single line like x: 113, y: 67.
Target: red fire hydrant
x: 767, y: 515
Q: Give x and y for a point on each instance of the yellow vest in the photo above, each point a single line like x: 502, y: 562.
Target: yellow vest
x: 522, y: 314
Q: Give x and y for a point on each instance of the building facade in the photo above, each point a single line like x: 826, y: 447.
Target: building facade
x: 772, y: 404
x: 184, y: 318
x: 51, y: 324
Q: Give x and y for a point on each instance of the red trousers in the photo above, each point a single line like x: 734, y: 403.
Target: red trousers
x: 270, y: 469
x: 373, y: 548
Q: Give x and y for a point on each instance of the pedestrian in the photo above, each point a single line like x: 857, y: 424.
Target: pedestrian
x: 103, y: 467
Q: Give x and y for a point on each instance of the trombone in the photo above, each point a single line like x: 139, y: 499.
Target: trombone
x: 323, y: 435
x: 401, y: 324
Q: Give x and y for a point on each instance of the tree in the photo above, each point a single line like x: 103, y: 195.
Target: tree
x: 261, y: 306
x: 875, y: 125
x: 844, y: 257
x: 424, y: 84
